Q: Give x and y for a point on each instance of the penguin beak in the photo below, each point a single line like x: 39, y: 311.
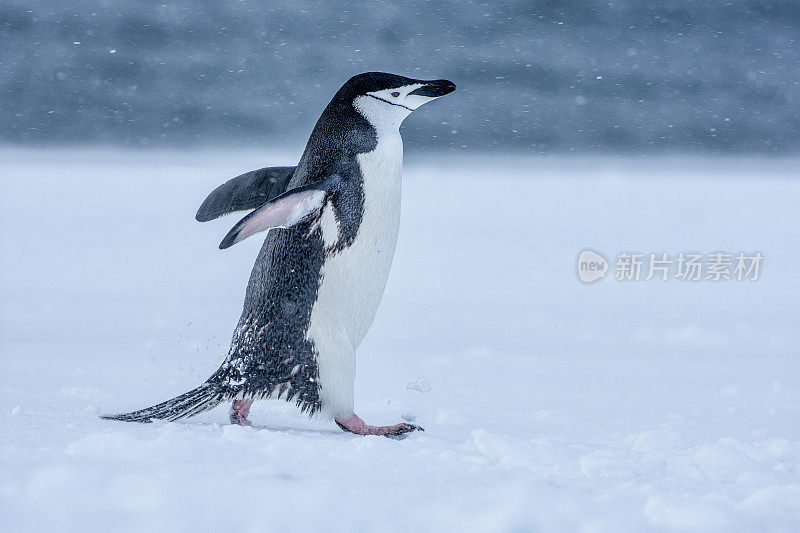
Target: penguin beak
x: 434, y: 89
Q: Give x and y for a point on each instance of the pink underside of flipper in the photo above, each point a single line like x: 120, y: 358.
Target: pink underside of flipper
x: 281, y: 213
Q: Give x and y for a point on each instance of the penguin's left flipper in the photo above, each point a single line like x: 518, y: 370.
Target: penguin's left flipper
x: 248, y: 191
x: 284, y: 211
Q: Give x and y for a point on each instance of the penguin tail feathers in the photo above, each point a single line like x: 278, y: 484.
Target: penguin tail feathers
x: 203, y: 398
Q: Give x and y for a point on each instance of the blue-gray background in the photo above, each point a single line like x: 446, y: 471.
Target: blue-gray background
x: 554, y: 76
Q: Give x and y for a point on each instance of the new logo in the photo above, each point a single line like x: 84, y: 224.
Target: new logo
x: 591, y: 266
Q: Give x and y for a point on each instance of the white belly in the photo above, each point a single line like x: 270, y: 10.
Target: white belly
x: 354, y: 279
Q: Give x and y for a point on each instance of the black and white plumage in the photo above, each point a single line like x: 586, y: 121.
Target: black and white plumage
x: 317, y: 282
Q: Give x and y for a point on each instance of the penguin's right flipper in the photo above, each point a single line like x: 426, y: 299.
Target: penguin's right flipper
x: 247, y: 191
x: 284, y: 211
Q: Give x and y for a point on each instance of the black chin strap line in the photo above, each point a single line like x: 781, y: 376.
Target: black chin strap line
x: 388, y: 102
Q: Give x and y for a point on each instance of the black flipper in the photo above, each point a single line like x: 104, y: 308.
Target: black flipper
x: 284, y: 211
x: 248, y: 191
x: 203, y: 398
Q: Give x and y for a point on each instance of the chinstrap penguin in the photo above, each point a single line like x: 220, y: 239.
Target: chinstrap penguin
x: 332, y: 225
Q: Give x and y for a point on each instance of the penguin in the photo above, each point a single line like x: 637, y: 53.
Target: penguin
x: 332, y: 224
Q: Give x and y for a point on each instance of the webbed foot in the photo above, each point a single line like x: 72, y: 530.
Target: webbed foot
x: 354, y: 424
x: 239, y: 411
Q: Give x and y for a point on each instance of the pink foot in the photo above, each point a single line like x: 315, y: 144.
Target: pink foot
x: 354, y: 424
x: 239, y: 411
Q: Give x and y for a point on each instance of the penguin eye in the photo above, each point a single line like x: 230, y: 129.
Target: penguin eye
x: 395, y: 94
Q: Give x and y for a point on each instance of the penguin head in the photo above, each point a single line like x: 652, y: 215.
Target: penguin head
x: 385, y: 100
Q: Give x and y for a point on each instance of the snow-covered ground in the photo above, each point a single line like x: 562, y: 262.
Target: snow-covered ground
x: 553, y: 405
